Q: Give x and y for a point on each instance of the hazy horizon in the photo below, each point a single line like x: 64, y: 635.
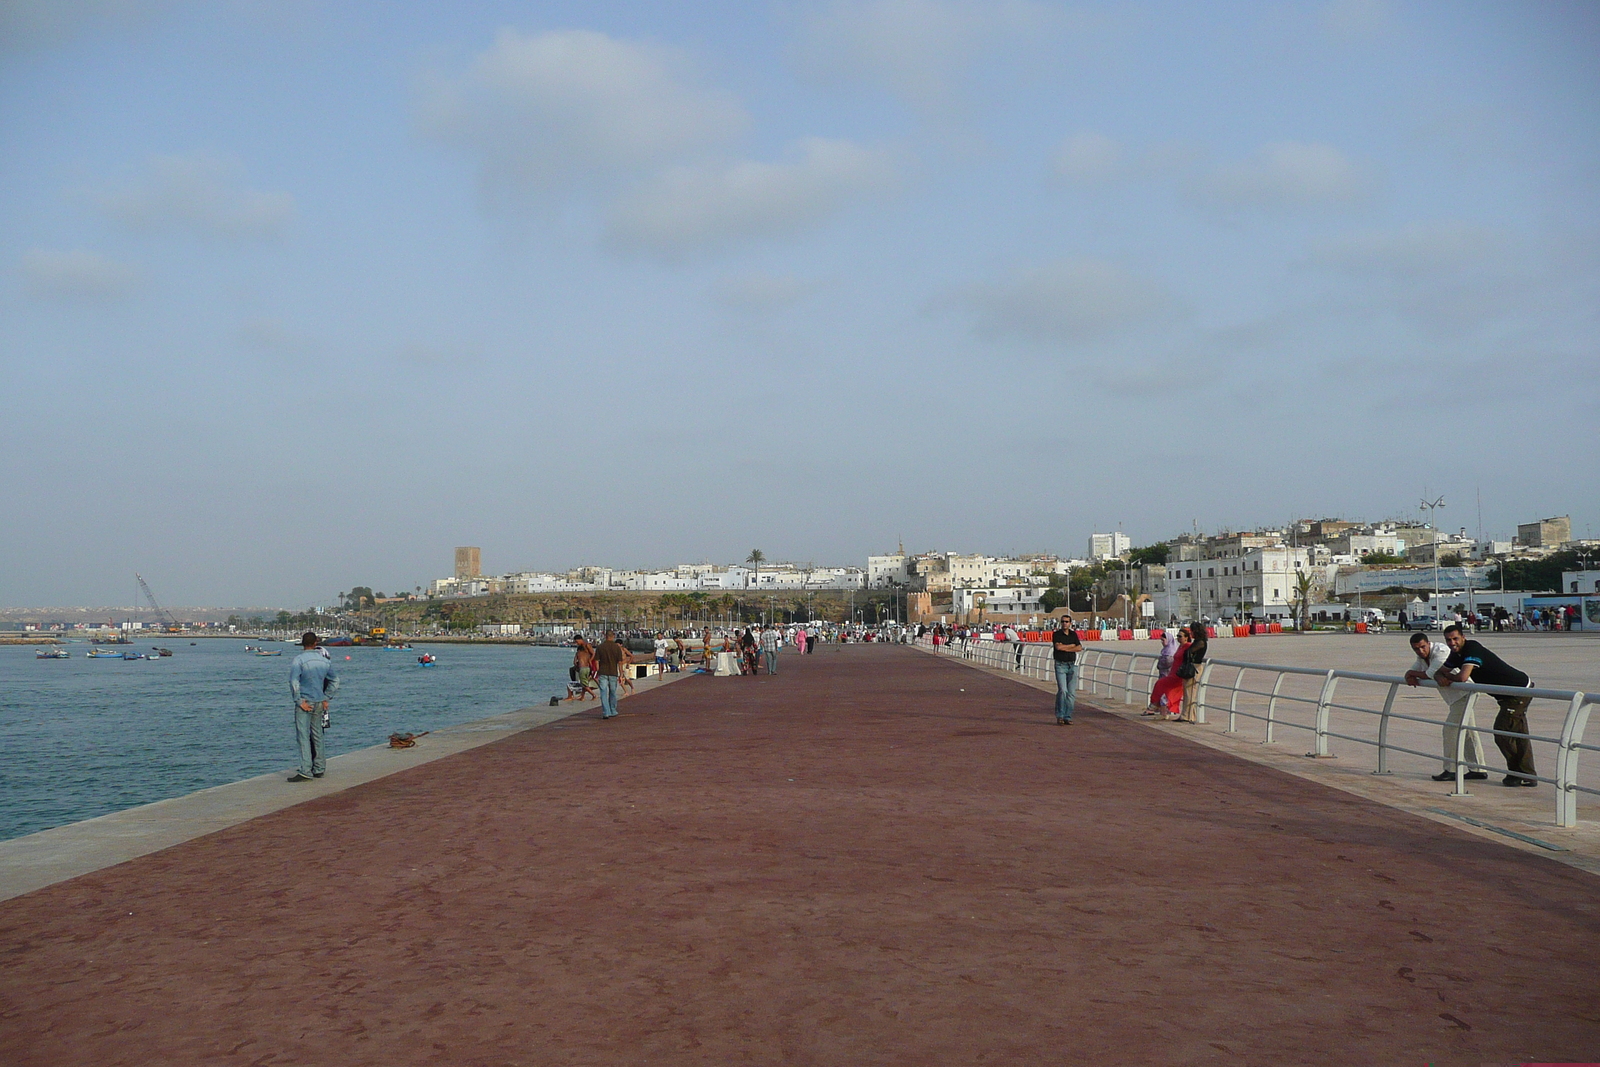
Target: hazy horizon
x: 300, y: 296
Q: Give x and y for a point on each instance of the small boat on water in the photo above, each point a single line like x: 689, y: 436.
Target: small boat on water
x: 427, y: 659
x: 133, y: 655
x: 269, y: 651
x: 103, y: 653
x: 51, y: 653
x: 162, y: 651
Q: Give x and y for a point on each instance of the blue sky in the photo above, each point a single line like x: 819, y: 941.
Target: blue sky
x: 298, y: 295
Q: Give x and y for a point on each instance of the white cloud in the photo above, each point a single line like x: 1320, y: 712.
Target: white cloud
x: 1414, y: 250
x: 695, y: 207
x: 198, y: 192
x: 1289, y: 174
x: 761, y: 292
x: 1069, y: 302
x: 917, y: 49
x: 545, y: 110
x: 1089, y: 159
x: 78, y: 275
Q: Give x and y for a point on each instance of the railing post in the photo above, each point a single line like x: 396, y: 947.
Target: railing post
x: 1567, y: 760
x: 1383, y: 730
x: 1150, y: 680
x: 1200, y: 693
x: 1127, y: 679
x: 1272, y: 706
x: 1233, y: 702
x: 1461, y: 747
x: 1321, y: 751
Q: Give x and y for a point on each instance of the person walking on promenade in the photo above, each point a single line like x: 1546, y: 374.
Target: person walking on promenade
x: 771, y: 643
x: 1066, y: 648
x: 312, y: 682
x: 581, y: 672
x: 800, y: 641
x: 608, y: 658
x: 662, y: 646
x: 625, y: 670
x: 1471, y: 662
x: 1189, y: 664
x: 748, y: 653
x: 1431, y: 657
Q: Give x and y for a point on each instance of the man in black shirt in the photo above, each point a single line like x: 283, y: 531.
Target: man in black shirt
x: 1471, y: 662
x: 1067, y: 647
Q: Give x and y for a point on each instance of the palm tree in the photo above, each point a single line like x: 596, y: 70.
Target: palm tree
x: 1302, y: 595
x: 756, y: 557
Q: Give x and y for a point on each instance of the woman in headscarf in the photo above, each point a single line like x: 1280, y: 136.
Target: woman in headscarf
x: 1167, y: 695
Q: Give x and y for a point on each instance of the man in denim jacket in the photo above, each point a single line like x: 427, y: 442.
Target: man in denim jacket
x: 311, y: 683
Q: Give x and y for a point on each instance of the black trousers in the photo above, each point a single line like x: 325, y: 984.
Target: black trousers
x: 1518, y: 751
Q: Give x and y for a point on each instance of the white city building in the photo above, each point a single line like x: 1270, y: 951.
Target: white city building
x: 998, y: 599
x: 1109, y: 545
x: 886, y: 571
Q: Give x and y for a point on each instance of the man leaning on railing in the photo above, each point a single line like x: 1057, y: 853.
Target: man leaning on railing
x: 1471, y: 662
x: 1431, y: 658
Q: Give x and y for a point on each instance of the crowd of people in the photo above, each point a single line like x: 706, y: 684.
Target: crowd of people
x: 754, y: 649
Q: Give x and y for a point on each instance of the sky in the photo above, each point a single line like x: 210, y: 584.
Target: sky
x: 296, y: 296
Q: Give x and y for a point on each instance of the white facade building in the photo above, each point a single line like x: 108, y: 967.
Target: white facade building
x: 886, y: 571
x: 1109, y: 545
x: 998, y: 599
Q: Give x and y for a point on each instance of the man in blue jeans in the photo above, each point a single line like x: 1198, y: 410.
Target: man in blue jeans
x: 608, y: 661
x: 1067, y: 647
x: 311, y: 682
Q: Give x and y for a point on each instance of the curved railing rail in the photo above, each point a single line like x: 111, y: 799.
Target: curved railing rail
x: 1128, y: 677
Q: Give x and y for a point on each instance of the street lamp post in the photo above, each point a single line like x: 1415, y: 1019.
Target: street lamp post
x: 1432, y: 506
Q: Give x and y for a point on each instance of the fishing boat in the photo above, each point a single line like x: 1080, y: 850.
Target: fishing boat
x: 427, y: 659
x: 103, y: 653
x: 162, y: 651
x: 269, y: 651
x: 133, y: 655
x: 51, y: 653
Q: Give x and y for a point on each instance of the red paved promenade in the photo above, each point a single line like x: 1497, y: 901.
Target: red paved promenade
x: 852, y: 863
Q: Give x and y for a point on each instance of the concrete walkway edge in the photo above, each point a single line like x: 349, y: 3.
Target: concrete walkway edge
x: 63, y: 852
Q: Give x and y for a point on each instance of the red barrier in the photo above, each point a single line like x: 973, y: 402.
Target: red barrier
x: 1361, y: 627
x: 1275, y: 628
x: 1158, y: 635
x: 1241, y: 631
x: 1091, y: 635
x: 1211, y: 631
x: 1124, y: 635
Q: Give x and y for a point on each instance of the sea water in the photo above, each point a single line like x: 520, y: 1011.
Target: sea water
x: 84, y: 737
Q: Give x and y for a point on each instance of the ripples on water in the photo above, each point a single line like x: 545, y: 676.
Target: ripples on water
x: 84, y: 737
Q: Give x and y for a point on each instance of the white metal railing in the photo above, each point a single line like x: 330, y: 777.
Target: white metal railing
x: 1121, y: 675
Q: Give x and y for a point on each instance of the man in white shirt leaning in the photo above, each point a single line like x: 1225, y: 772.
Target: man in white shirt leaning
x: 1430, y: 659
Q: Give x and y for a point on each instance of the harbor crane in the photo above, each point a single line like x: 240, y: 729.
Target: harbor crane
x: 163, y: 616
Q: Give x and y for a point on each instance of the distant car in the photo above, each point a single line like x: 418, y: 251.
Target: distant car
x: 1422, y: 622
